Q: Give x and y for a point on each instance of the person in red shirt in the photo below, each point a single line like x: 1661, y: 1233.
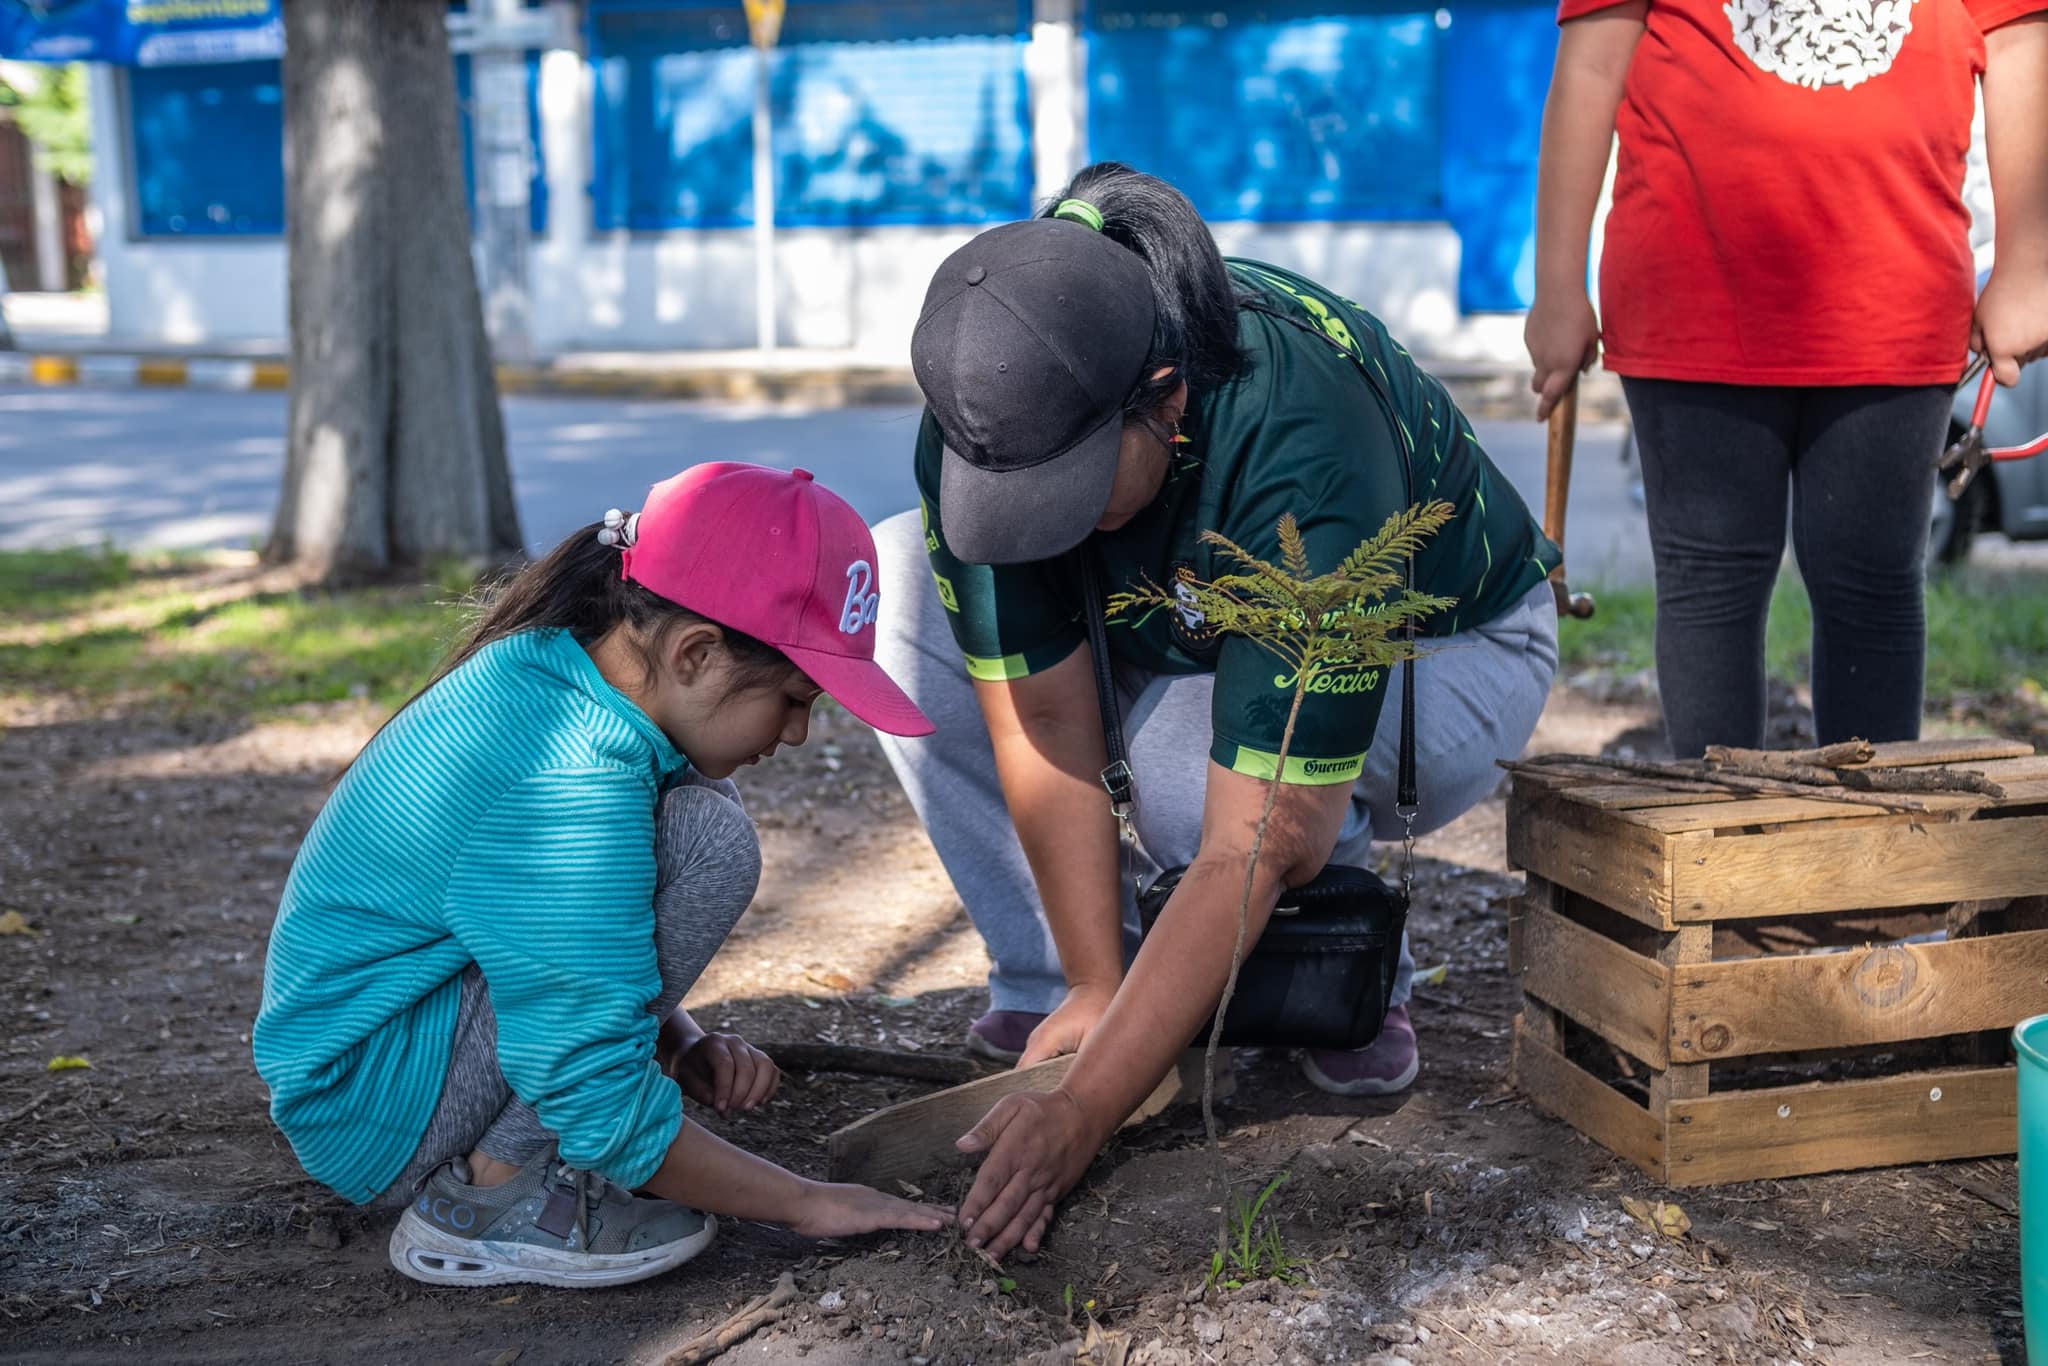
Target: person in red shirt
x: 1786, y: 292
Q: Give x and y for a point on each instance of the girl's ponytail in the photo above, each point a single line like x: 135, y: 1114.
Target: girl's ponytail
x: 577, y: 587
x: 1194, y: 304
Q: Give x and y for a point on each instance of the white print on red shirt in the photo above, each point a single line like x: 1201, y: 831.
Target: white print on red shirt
x: 1813, y: 43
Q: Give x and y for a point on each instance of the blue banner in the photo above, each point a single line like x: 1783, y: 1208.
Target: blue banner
x: 141, y: 32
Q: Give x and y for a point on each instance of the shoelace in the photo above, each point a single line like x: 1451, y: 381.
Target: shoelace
x: 589, y: 1189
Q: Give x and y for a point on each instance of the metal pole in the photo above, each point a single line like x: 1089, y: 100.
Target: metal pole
x: 504, y: 175
x: 764, y: 206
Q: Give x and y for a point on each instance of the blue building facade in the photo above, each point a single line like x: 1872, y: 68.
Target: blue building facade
x: 1387, y: 146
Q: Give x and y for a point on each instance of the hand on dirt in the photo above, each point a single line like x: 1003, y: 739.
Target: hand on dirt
x: 1038, y: 1144
x: 1563, y: 337
x: 1064, y: 1030
x: 727, y: 1073
x: 2011, y: 326
x: 840, y: 1211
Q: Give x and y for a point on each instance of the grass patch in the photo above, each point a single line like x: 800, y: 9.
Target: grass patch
x: 36, y: 585
x: 212, y: 635
x: 1986, y: 633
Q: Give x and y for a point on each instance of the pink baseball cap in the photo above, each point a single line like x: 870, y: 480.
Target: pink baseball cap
x: 781, y: 557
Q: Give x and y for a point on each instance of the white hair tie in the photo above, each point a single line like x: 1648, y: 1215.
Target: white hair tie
x: 620, y: 529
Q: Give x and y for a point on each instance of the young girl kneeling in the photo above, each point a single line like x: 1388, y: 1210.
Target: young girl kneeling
x: 471, y: 1006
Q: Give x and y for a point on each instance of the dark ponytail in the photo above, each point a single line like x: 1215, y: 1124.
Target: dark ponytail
x: 576, y: 587
x: 1195, y: 306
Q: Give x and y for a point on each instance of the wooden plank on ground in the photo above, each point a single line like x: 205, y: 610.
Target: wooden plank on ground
x: 1595, y: 853
x: 1576, y: 1096
x: 1800, y: 870
x: 1916, y: 753
x: 1622, y: 996
x: 1881, y: 994
x: 912, y: 1140
x: 1842, y: 1125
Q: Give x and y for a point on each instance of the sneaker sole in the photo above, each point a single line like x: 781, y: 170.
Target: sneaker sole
x: 428, y: 1254
x: 1365, y: 1086
x: 982, y: 1048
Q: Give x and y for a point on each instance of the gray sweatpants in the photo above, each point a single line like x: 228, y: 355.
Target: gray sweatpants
x: 707, y: 863
x: 1480, y: 694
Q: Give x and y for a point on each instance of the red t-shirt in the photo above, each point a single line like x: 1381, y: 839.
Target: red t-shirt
x: 1788, y: 200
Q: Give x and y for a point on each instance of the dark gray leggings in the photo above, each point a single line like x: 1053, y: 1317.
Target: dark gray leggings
x: 1718, y: 460
x: 707, y: 864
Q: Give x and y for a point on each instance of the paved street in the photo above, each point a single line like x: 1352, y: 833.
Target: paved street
x: 182, y: 468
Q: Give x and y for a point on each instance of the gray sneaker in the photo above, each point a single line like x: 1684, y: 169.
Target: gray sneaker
x: 551, y: 1225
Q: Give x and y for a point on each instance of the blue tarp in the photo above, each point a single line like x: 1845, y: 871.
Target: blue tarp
x: 141, y: 32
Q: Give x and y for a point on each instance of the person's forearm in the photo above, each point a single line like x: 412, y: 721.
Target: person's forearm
x: 1172, y: 988
x: 705, y: 1172
x: 2016, y: 138
x: 1050, y: 771
x: 1578, y: 132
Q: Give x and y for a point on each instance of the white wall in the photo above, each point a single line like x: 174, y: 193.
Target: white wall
x: 847, y: 290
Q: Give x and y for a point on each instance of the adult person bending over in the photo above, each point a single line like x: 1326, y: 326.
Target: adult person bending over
x: 1101, y: 378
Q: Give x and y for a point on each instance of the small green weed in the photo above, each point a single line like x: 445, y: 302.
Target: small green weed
x: 1255, y: 1250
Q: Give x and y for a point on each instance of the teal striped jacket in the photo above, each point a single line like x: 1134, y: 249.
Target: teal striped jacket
x: 505, y: 818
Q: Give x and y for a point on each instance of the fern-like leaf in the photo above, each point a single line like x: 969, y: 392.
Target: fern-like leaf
x: 1293, y: 552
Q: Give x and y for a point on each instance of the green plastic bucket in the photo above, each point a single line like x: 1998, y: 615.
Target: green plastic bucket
x: 2030, y: 1041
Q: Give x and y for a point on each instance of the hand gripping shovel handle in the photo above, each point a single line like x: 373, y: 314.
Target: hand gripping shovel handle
x: 1564, y: 429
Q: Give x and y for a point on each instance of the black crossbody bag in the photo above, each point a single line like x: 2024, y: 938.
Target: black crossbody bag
x: 1321, y: 974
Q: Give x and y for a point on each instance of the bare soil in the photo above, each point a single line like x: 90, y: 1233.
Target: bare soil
x: 147, y: 1206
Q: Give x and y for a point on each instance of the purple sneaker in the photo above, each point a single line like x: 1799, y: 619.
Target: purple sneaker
x: 1386, y: 1065
x: 1000, y: 1035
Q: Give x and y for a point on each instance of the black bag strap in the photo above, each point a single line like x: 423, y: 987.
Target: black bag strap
x: 1117, y: 778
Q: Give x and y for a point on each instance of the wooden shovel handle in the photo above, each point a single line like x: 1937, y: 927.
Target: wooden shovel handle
x: 1564, y: 430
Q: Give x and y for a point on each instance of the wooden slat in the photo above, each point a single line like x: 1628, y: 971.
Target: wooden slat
x: 1595, y: 853
x: 1675, y: 818
x: 1686, y: 1077
x: 2024, y: 791
x: 1622, y: 996
x: 1915, y: 753
x: 909, y: 1141
x: 1577, y: 1097
x: 1885, y: 993
x: 1999, y: 770
x: 1839, y: 1126
x: 1789, y: 872
x: 1640, y: 796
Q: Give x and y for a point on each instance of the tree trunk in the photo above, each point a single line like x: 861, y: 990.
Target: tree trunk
x: 397, y: 450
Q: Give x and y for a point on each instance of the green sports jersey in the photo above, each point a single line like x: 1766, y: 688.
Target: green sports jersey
x: 1298, y: 430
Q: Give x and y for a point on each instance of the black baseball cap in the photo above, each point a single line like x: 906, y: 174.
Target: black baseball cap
x: 1031, y: 337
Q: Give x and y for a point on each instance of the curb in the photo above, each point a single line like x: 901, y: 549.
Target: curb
x: 841, y: 386
x: 46, y: 369
x: 1482, y: 392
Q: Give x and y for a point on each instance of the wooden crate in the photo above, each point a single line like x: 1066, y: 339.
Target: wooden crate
x: 1690, y: 936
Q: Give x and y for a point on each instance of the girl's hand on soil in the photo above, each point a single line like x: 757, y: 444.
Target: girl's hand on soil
x: 727, y: 1073
x: 2011, y: 326
x: 1038, y: 1144
x: 1563, y: 337
x: 1066, y: 1028
x: 840, y: 1211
